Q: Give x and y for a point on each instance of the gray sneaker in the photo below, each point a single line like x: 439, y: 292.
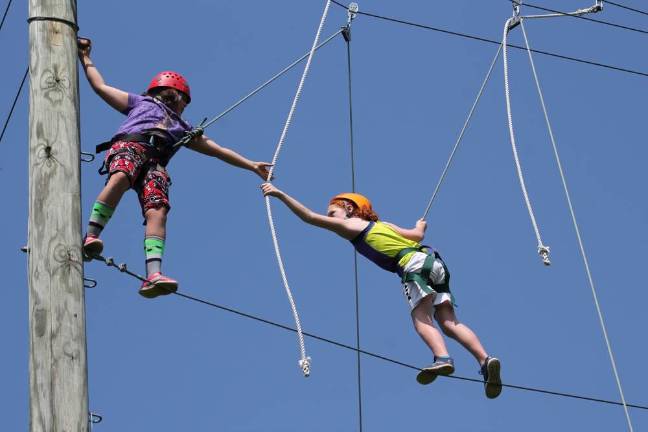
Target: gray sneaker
x: 441, y: 366
x: 490, y: 370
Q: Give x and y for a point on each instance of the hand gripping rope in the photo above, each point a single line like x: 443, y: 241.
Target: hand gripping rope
x: 304, y: 362
x: 517, y: 19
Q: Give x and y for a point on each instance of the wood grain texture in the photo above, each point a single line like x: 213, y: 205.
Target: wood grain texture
x: 57, y: 372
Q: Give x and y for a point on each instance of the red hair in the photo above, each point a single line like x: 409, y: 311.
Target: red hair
x: 366, y: 214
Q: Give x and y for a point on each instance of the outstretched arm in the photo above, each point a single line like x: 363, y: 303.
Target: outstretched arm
x: 204, y: 145
x: 416, y: 234
x: 114, y: 97
x: 347, y: 228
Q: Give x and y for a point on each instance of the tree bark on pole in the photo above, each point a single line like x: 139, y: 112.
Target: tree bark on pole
x: 57, y: 359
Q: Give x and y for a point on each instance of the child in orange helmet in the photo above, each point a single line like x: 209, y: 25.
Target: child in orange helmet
x: 424, y: 275
x: 137, y: 157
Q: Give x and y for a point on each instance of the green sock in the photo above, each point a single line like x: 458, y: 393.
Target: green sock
x: 99, y: 217
x: 154, y: 249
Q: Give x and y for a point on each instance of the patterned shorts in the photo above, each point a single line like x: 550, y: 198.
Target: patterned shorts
x: 146, y: 175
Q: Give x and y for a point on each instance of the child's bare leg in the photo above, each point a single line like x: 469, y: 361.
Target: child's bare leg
x: 111, y: 194
x: 458, y: 331
x: 156, y: 219
x: 424, y: 326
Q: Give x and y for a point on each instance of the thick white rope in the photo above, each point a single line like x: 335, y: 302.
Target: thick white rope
x: 461, y: 134
x: 543, y: 250
x: 576, y: 228
x: 578, y: 12
x: 304, y: 362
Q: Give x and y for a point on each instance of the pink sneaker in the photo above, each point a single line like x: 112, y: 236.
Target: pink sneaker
x: 156, y: 285
x: 92, y: 246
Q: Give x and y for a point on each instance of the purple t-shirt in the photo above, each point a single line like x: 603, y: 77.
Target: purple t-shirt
x: 145, y: 113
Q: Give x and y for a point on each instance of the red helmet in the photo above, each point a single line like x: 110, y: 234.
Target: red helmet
x: 173, y: 80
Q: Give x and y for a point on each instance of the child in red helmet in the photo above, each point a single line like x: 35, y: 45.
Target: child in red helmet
x: 137, y: 156
x: 424, y: 275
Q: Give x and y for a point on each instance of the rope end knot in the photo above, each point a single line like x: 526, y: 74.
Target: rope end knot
x: 304, y: 364
x: 543, y: 251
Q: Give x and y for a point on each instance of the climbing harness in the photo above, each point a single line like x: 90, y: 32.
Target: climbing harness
x: 304, y: 362
x: 154, y: 147
x: 422, y: 278
x: 519, y: 20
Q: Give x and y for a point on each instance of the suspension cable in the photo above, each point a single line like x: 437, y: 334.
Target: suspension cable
x: 495, y: 42
x: 627, y: 7
x: 579, y: 14
x: 123, y: 268
x: 461, y: 134
x: 346, y: 32
x: 13, y: 105
x: 576, y: 228
x: 5, y: 14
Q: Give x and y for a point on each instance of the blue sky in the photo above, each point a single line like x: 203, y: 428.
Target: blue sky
x: 171, y: 364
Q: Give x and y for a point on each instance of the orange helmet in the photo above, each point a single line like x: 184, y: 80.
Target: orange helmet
x: 360, y: 201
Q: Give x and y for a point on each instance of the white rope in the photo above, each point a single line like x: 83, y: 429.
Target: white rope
x: 576, y: 228
x: 543, y: 250
x: 304, y: 362
x: 579, y: 12
x: 461, y: 134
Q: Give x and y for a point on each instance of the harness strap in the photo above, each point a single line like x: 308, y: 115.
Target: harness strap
x: 123, y: 137
x: 141, y: 138
x: 422, y: 278
x: 405, y: 251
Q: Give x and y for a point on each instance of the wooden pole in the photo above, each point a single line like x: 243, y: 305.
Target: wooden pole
x: 57, y: 359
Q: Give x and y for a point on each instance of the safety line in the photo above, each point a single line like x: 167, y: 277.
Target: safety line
x: 620, y: 26
x: 576, y: 228
x: 304, y: 362
x: 5, y: 14
x: 400, y: 363
x: 262, y: 86
x: 13, y: 105
x: 347, y: 38
x: 492, y: 41
x: 123, y: 268
x: 626, y: 7
x: 461, y: 134
x: 543, y: 250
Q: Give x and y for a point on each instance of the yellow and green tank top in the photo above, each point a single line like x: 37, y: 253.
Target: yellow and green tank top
x: 381, y: 244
